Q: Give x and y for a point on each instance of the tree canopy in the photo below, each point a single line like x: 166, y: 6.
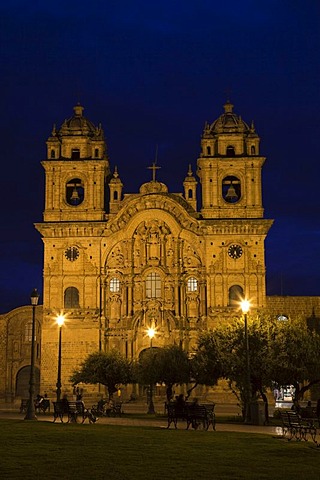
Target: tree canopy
x: 108, y: 368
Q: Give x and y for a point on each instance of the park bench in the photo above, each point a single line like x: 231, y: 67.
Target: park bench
x: 199, y: 415
x: 175, y: 413
x: 293, y: 426
x: 310, y: 415
x: 75, y: 411
x: 104, y: 409
x: 43, y: 406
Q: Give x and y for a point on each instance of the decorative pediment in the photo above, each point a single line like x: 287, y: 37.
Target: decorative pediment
x: 160, y: 202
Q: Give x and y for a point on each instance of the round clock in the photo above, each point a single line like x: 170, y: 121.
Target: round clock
x: 235, y: 251
x: 72, y: 253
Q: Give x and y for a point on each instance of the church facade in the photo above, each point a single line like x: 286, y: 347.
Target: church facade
x: 116, y: 264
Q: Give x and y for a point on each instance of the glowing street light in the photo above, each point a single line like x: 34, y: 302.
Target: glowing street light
x: 60, y: 322
x: 245, y: 307
x: 151, y: 333
x: 31, y: 411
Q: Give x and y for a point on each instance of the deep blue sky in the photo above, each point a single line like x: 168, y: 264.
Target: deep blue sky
x: 153, y: 73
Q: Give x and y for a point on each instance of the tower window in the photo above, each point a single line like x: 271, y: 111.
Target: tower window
x: 114, y: 285
x: 230, y: 151
x: 153, y: 286
x: 96, y: 152
x: 231, y: 189
x: 71, y: 297
x: 74, y: 192
x: 192, y: 284
x: 75, y: 154
x: 190, y: 193
x: 208, y: 150
x: 115, y: 195
x: 52, y: 154
x: 253, y: 150
x: 235, y: 295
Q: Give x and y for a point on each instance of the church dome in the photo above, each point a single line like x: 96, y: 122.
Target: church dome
x: 229, y: 122
x: 78, y: 125
x: 153, y: 187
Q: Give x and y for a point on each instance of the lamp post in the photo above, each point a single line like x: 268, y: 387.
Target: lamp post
x: 31, y: 412
x: 151, y: 333
x: 245, y: 307
x: 60, y: 321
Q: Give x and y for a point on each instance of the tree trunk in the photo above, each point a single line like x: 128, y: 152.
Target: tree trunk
x: 266, y: 407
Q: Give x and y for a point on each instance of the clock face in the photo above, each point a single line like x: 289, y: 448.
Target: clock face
x: 72, y: 253
x: 235, y: 251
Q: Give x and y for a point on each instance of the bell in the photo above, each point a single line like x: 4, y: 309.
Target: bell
x: 231, y: 193
x: 75, y: 196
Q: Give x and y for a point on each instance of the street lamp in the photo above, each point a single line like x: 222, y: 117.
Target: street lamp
x: 31, y: 412
x: 151, y: 333
x: 245, y: 307
x: 60, y: 321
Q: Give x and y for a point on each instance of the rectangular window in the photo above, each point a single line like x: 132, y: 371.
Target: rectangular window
x: 153, y: 286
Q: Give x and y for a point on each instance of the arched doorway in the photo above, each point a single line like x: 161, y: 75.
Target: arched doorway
x: 22, y: 381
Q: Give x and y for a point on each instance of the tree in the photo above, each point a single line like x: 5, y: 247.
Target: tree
x: 173, y: 367
x: 206, y: 368
x: 224, y: 352
x: 295, y: 356
x: 169, y: 365
x: 108, y: 368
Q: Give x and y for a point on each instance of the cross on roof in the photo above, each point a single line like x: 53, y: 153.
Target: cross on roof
x: 154, y: 168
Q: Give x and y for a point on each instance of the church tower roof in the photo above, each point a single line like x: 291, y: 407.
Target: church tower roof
x: 229, y: 122
x: 79, y: 125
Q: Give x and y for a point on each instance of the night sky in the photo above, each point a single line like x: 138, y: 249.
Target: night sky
x: 152, y: 72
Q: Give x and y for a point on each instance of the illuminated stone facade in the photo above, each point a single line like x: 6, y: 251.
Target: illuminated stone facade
x: 116, y: 264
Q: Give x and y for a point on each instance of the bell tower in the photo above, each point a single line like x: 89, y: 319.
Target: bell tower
x: 229, y: 168
x: 76, y: 170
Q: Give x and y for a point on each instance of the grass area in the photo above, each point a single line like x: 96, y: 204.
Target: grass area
x: 34, y: 450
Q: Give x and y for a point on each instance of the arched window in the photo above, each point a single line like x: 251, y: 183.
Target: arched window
x: 52, y: 154
x: 190, y: 193
x: 71, y: 297
x: 230, y: 151
x: 153, y: 286
x: 231, y: 189
x: 96, y: 152
x: 75, y: 154
x: 208, y: 150
x: 115, y: 195
x: 114, y: 285
x: 235, y: 295
x: 74, y: 192
x: 253, y: 150
x: 192, y: 284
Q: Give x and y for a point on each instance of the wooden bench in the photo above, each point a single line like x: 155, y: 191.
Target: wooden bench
x: 43, y: 406
x: 310, y: 415
x: 175, y: 413
x: 103, y: 409
x: 197, y: 416
x: 293, y: 426
x: 75, y: 412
